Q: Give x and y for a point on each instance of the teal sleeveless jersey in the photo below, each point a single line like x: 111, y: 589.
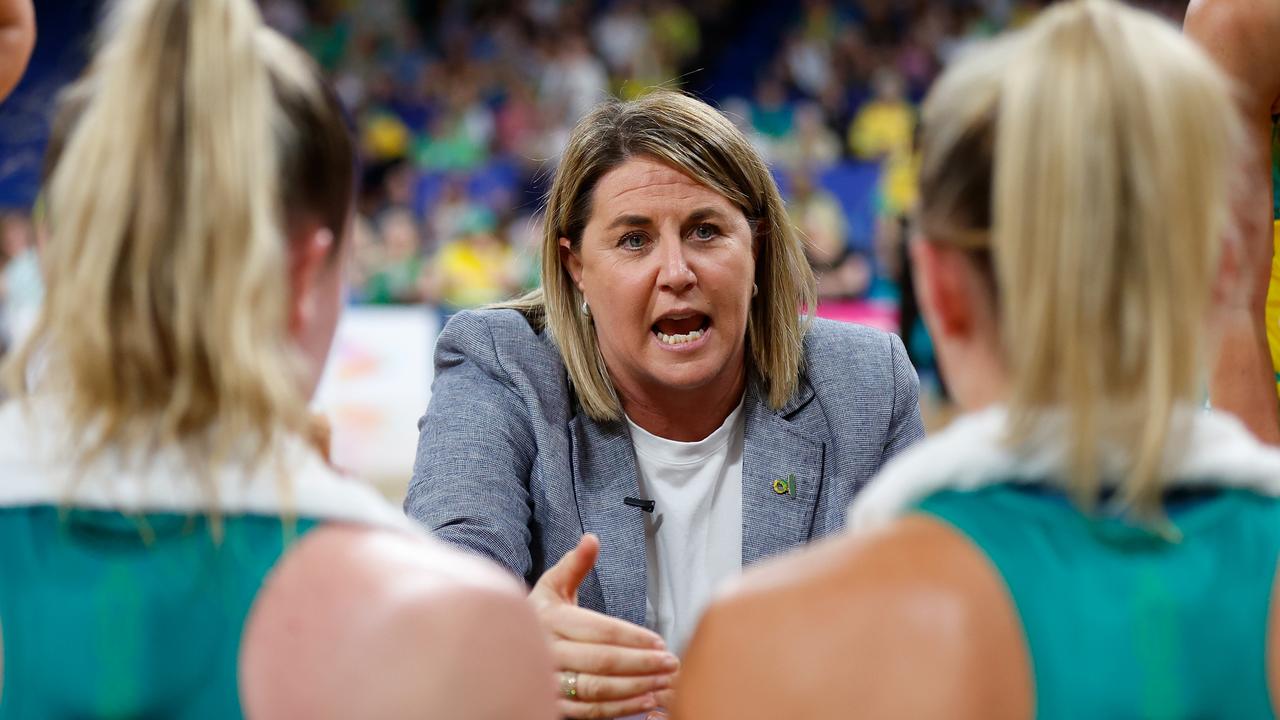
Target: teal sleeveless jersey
x: 105, y: 615
x: 1122, y: 623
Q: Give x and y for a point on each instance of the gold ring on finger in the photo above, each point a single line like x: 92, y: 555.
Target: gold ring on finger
x: 569, y: 685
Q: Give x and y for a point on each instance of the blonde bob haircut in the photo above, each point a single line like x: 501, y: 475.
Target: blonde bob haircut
x: 1089, y: 158
x: 697, y: 140
x: 180, y: 163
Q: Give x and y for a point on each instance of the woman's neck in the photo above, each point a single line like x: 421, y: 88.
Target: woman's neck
x: 684, y: 415
x: 975, y: 372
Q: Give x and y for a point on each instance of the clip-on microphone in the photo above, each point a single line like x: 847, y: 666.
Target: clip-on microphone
x: 645, y: 505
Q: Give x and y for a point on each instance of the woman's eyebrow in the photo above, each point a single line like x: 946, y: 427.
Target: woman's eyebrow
x: 699, y: 215
x: 629, y: 221
x: 706, y: 213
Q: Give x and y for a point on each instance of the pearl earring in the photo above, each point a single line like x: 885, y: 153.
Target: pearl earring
x: 586, y: 309
x: 755, y: 290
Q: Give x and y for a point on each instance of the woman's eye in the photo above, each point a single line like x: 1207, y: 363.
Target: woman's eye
x: 632, y: 241
x: 705, y: 231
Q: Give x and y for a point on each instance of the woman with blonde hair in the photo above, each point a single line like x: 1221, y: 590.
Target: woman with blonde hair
x: 1085, y: 541
x: 662, y: 402
x: 174, y: 544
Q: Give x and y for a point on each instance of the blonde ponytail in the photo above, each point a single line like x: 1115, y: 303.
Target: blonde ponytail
x: 1106, y: 143
x: 165, y: 317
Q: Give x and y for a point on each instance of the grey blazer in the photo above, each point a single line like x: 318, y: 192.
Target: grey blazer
x: 508, y: 467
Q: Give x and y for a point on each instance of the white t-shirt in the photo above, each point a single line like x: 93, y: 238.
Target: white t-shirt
x: 693, y: 537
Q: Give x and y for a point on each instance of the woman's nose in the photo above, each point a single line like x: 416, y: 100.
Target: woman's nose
x: 674, y: 272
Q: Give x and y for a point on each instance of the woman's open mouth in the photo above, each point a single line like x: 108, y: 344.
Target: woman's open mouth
x: 678, y: 330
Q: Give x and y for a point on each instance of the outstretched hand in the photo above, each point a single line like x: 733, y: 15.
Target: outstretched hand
x: 606, y: 667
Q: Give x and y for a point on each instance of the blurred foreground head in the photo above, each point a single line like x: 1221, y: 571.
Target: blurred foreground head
x: 199, y: 193
x: 1075, y: 187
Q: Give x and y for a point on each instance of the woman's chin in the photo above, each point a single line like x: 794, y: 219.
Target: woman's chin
x: 689, y: 374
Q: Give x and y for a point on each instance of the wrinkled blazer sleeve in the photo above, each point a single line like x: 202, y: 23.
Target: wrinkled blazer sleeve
x: 470, y: 482
x: 906, y: 427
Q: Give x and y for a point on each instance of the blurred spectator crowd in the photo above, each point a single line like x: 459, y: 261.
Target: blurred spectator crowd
x: 463, y: 106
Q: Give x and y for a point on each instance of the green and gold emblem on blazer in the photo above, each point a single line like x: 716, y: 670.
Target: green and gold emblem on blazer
x: 785, y: 486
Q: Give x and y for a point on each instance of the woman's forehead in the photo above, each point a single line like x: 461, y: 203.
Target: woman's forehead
x: 643, y: 186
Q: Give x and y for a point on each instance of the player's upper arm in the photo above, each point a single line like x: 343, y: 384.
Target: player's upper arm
x: 912, y: 623
x: 487, y: 659
x: 17, y: 40
x: 1241, y: 35
x: 373, y: 624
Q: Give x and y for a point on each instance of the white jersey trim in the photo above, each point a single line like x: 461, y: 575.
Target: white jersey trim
x: 37, y: 467
x: 1216, y: 450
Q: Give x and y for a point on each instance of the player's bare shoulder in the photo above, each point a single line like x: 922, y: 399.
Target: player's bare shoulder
x: 1242, y: 36
x: 357, y: 622
x: 910, y: 621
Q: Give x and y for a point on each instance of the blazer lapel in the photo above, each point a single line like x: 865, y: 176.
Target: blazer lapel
x: 604, y: 472
x: 781, y: 477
